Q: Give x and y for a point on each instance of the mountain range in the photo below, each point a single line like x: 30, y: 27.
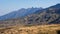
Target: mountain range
x: 20, y: 13
x: 34, y: 16
x: 50, y: 15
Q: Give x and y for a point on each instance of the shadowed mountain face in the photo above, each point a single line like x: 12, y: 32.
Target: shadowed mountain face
x: 50, y: 15
x: 20, y: 13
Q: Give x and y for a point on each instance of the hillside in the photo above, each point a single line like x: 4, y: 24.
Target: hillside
x: 50, y: 15
x: 19, y: 13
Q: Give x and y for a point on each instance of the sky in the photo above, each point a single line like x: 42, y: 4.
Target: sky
x: 7, y: 6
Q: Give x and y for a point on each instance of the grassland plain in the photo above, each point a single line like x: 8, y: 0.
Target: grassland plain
x: 38, y: 29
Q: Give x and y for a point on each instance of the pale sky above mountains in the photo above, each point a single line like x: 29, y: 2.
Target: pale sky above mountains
x: 7, y: 6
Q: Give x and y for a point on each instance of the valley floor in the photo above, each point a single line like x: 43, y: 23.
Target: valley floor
x: 39, y: 29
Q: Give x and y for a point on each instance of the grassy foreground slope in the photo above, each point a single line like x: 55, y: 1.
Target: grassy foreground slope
x: 39, y: 29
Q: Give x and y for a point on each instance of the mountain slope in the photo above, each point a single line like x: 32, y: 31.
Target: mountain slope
x: 20, y: 13
x: 50, y: 15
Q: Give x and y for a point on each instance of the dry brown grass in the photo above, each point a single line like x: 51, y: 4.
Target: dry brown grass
x: 39, y: 29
